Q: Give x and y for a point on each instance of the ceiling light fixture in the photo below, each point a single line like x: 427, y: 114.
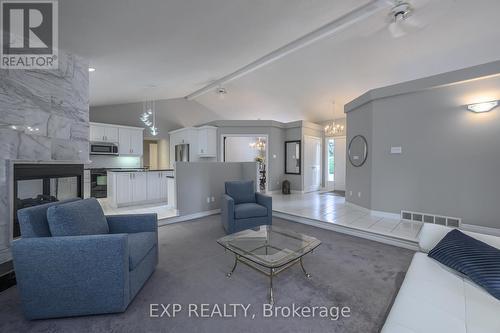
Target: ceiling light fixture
x: 333, y: 128
x: 91, y: 69
x: 482, y: 107
x: 148, y: 116
x: 221, y: 91
x: 260, y: 144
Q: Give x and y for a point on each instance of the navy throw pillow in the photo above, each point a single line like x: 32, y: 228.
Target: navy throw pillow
x: 82, y: 217
x: 479, y: 261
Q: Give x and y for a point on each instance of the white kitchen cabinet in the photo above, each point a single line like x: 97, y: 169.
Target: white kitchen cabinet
x: 172, y: 193
x: 187, y: 135
x: 202, y: 142
x: 207, y: 141
x: 103, y: 133
x: 130, y: 141
x: 163, y: 186
x: 154, y: 185
x: 122, y: 188
x: 139, y: 186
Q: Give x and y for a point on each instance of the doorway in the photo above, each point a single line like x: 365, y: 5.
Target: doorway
x: 312, y: 163
x: 335, y: 160
x: 248, y: 148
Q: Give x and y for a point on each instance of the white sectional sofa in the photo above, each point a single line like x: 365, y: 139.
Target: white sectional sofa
x: 436, y: 299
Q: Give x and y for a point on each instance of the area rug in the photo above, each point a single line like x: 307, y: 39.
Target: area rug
x: 347, y: 273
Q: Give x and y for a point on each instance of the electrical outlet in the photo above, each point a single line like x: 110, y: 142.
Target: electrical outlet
x: 208, y: 199
x: 213, y: 199
x: 359, y: 194
x: 350, y: 193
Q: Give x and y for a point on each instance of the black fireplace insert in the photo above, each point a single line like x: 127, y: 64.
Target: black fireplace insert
x: 37, y: 184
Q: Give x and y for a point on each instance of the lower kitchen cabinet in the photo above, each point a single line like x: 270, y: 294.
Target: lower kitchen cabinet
x: 154, y: 185
x: 135, y: 188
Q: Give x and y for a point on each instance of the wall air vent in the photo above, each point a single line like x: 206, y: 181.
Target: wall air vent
x: 449, y: 221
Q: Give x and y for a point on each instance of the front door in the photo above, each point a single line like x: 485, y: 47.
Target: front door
x: 312, y: 163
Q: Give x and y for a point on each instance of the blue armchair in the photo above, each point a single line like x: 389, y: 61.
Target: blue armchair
x: 72, y: 260
x: 243, y: 208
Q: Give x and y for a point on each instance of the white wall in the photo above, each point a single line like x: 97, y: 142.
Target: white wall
x: 238, y: 149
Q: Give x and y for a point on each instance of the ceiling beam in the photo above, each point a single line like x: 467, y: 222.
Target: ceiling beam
x: 328, y: 29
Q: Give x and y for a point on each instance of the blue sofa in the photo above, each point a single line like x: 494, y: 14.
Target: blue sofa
x: 243, y: 208
x: 72, y: 260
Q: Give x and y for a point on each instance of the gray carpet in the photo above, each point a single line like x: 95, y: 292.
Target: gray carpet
x: 346, y: 271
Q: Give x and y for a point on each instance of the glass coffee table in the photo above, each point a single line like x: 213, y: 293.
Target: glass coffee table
x: 269, y: 250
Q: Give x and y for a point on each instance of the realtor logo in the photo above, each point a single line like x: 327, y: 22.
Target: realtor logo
x: 29, y: 34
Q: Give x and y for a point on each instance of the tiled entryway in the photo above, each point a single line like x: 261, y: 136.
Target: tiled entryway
x: 335, y: 209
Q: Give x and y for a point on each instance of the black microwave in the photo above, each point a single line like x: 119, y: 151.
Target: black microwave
x: 100, y: 148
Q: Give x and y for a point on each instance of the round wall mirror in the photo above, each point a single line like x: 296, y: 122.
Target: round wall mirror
x: 358, y: 150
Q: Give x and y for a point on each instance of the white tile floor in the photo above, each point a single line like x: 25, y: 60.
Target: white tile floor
x: 163, y: 210
x: 316, y: 206
x: 334, y: 209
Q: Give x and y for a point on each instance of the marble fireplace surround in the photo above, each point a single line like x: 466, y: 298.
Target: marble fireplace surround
x: 56, y: 103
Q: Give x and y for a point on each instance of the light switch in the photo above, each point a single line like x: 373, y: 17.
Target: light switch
x: 396, y: 150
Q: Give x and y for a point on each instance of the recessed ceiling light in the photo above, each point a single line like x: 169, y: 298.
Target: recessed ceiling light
x: 221, y: 91
x: 482, y: 107
x: 91, y: 69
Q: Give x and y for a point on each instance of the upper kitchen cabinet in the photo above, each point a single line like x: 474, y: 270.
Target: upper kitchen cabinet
x: 103, y: 133
x: 202, y: 142
x: 130, y: 141
x: 207, y: 141
x: 189, y: 136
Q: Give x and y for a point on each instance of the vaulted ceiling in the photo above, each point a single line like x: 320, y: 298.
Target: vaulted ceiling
x: 167, y: 49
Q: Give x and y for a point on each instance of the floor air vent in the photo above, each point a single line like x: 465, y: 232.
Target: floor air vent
x: 429, y: 218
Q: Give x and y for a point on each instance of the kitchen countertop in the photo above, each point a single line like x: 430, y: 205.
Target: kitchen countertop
x: 138, y: 170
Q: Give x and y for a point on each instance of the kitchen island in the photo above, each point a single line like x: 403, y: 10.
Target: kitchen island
x: 130, y: 187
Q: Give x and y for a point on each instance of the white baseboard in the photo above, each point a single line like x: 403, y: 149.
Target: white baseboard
x: 480, y: 229
x: 350, y: 231
x: 372, y: 212
x: 183, y: 218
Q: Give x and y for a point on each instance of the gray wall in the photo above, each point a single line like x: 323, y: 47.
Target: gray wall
x: 359, y: 180
x: 57, y: 103
x: 450, y: 160
x: 277, y: 133
x: 275, y: 147
x: 196, y: 181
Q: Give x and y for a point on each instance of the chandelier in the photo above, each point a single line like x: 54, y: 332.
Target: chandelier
x: 333, y: 128
x: 148, y: 116
x: 259, y: 144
